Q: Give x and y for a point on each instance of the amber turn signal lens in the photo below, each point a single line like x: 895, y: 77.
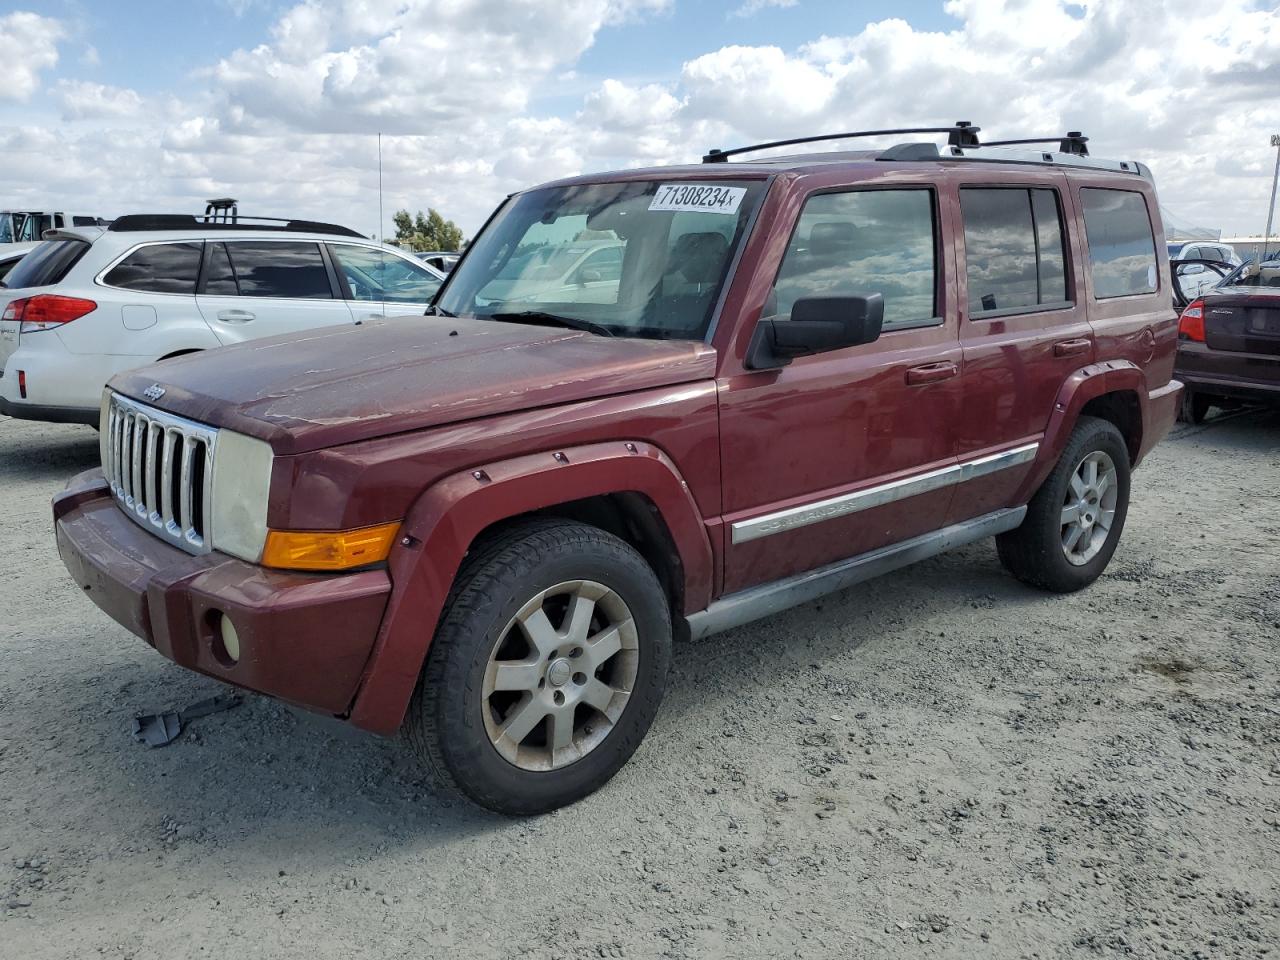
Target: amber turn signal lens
x: 328, y: 549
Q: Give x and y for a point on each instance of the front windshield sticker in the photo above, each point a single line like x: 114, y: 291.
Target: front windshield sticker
x: 697, y: 198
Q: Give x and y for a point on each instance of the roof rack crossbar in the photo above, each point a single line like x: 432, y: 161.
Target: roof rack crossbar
x: 137, y: 222
x: 961, y: 134
x: 1074, y: 143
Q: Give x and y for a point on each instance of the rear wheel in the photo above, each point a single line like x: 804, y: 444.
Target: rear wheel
x: 547, y: 669
x: 1193, y: 407
x: 1074, y: 521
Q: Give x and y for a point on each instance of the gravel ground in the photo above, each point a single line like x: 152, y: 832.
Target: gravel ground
x: 939, y: 763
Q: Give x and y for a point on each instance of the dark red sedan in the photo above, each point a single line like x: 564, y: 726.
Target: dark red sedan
x: 1229, y: 342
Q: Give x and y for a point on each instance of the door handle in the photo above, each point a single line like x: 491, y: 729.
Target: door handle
x: 1071, y: 348
x: 235, y: 316
x: 932, y: 372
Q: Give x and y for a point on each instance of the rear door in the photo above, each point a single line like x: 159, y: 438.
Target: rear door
x: 260, y: 288
x: 380, y: 283
x: 1022, y: 330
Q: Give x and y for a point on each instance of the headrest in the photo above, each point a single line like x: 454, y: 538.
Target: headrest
x: 700, y: 256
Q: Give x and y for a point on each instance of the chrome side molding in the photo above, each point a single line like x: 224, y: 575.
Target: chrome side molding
x: 770, y: 598
x: 782, y: 520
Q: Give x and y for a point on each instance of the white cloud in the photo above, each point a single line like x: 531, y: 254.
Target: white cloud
x: 28, y: 47
x: 751, y: 7
x: 84, y: 100
x: 288, y: 125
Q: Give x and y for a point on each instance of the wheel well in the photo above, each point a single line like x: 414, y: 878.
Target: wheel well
x: 1120, y: 408
x: 633, y: 518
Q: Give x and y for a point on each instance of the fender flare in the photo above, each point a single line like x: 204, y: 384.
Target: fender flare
x: 447, y: 517
x: 1084, y: 385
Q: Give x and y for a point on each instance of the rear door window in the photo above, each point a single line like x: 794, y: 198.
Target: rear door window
x: 158, y: 268
x: 859, y: 243
x: 1122, y: 248
x: 1013, y: 246
x: 46, y: 264
x: 284, y: 270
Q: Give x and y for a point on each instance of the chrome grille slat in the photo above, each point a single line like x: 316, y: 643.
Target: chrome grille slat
x: 145, y: 447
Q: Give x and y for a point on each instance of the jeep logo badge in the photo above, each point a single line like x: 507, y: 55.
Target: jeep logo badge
x: 153, y: 392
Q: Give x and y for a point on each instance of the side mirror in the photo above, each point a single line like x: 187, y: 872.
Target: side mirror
x: 1194, y: 268
x: 590, y: 276
x: 817, y: 325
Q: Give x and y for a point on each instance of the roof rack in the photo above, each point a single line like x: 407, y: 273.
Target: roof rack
x: 1073, y: 143
x: 962, y: 134
x: 962, y: 144
x: 137, y: 222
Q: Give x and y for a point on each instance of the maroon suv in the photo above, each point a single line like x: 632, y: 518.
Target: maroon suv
x: 646, y: 405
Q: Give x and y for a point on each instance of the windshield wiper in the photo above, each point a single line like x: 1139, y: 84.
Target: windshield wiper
x: 539, y: 318
x: 434, y: 311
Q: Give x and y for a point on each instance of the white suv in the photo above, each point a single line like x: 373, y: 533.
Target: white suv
x: 91, y: 302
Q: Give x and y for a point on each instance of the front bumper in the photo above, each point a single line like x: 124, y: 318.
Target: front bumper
x: 303, y: 638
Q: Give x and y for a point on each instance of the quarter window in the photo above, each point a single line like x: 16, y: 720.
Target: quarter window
x: 1122, y: 249
x: 158, y: 268
x: 284, y: 270
x: 379, y: 276
x: 861, y: 243
x: 1013, y: 250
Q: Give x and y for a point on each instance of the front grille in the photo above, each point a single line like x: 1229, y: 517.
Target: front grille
x: 160, y: 468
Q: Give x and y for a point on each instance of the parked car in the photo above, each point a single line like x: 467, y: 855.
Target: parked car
x: 1229, y: 342
x: 441, y: 260
x: 1204, y: 250
x: 90, y: 302
x: 553, y: 272
x: 490, y: 527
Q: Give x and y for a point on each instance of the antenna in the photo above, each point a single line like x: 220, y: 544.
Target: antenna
x: 381, y: 223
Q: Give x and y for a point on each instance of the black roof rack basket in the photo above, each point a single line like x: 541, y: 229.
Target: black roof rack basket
x: 961, y: 134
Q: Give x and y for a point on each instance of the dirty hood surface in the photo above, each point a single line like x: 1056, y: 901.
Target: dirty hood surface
x: 320, y: 388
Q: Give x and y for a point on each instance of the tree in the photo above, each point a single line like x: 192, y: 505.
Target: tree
x: 430, y: 232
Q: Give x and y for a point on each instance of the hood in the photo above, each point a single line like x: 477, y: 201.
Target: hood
x: 338, y: 385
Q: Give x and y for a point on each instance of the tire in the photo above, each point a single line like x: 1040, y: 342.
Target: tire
x: 1193, y: 407
x: 457, y: 719
x: 1037, y: 552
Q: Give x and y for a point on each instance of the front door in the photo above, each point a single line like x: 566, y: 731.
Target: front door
x: 843, y: 452
x: 260, y: 288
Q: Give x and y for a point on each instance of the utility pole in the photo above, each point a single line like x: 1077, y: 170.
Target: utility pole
x: 1271, y: 208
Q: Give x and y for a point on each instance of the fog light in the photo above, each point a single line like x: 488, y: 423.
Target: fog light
x: 230, y: 639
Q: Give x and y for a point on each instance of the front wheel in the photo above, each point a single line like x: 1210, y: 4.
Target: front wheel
x: 1074, y: 521
x: 547, y: 668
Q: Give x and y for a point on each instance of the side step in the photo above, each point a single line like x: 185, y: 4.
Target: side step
x: 770, y: 598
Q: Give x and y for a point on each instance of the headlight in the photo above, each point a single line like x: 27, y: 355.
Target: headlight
x: 241, y: 484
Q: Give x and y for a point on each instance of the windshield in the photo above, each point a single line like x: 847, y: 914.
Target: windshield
x: 638, y: 259
x: 1266, y: 275
x: 6, y: 227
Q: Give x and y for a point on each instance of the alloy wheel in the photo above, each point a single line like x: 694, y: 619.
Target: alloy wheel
x: 1089, y: 508
x: 560, y: 675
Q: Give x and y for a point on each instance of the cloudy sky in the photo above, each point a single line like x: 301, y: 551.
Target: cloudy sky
x: 116, y: 106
